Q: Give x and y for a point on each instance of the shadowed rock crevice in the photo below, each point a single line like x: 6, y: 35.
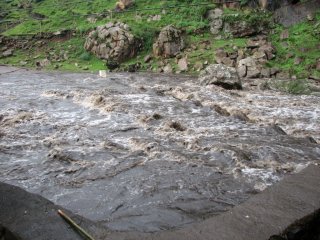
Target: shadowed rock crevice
x: 306, y: 228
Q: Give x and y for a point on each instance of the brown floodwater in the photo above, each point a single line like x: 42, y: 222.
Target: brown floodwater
x: 148, y: 152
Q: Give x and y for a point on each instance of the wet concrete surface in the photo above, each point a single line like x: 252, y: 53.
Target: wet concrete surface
x: 26, y: 216
x: 289, y: 209
x: 273, y: 214
x: 142, y: 152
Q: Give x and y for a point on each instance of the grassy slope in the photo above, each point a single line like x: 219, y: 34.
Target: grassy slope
x: 303, y: 42
x: 73, y: 14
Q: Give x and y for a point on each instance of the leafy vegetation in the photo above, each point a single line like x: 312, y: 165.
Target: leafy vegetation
x: 298, y: 86
x: 303, y: 43
x: 39, y: 16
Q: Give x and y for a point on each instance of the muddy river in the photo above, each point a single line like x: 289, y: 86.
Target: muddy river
x: 148, y: 152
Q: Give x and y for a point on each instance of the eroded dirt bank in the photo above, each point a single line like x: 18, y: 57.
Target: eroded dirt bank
x: 148, y: 152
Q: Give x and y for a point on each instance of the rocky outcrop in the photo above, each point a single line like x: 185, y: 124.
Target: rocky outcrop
x: 250, y: 60
x: 233, y: 25
x: 290, y: 14
x: 249, y: 68
x: 183, y: 64
x: 221, y: 75
x: 169, y: 43
x: 112, y: 42
x: 215, y: 18
x: 240, y: 29
x: 259, y: 51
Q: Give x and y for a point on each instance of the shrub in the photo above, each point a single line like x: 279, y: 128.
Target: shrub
x: 85, y: 56
x: 298, y: 86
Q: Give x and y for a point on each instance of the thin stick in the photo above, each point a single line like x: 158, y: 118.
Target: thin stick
x: 71, y: 222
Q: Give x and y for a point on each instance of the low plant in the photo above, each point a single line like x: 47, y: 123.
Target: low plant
x: 296, y: 87
x: 85, y: 56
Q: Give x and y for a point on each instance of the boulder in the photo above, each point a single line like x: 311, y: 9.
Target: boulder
x: 219, y: 55
x: 216, y: 26
x: 240, y: 29
x: 7, y: 53
x: 285, y: 75
x: 169, y: 43
x: 183, y: 64
x: 215, y: 20
x: 266, y: 72
x: 113, y: 42
x: 103, y: 73
x: 249, y: 68
x: 274, y: 71
x: 268, y: 49
x: 223, y: 57
x: 221, y: 75
x: 147, y: 58
x: 43, y: 63
x: 198, y: 66
x: 167, y: 69
x: 213, y: 14
x: 123, y: 4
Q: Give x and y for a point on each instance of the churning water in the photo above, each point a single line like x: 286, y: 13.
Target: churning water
x: 148, y: 152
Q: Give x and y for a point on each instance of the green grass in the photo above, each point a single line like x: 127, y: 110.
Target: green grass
x: 60, y: 15
x: 303, y: 42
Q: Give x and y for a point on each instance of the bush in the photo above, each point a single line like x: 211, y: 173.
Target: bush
x: 298, y: 86
x: 85, y: 56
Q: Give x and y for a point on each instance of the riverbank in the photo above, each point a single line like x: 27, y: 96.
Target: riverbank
x: 294, y: 55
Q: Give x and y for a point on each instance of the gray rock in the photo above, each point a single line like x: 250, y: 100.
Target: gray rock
x: 147, y: 58
x: 198, y: 66
x: 220, y: 75
x: 251, y: 43
x: 310, y: 17
x: 274, y: 71
x: 266, y: 72
x: 240, y: 29
x: 167, y: 69
x: 268, y: 49
x: 183, y: 64
x: 284, y: 34
x: 219, y: 55
x: 112, y: 42
x: 215, y: 26
x: 242, y: 71
x: 249, y: 67
x: 7, y: 53
x: 215, y: 20
x: 169, y: 43
x: 213, y: 14
x: 298, y: 61
x: 259, y: 55
x: 43, y: 63
x: 227, y: 61
x: 283, y: 75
